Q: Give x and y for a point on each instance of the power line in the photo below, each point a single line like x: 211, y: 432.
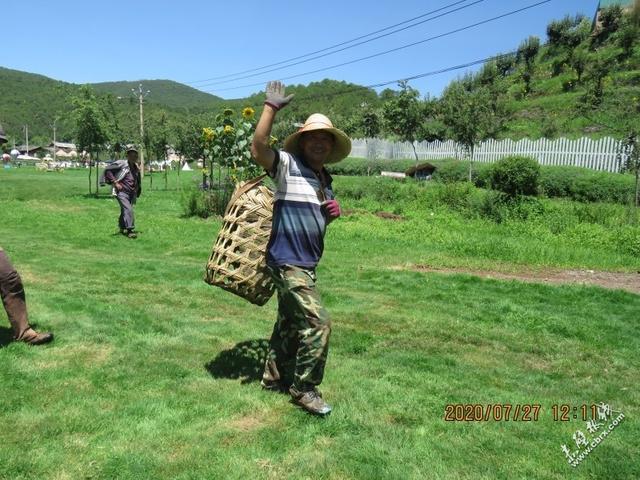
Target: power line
x: 451, y: 32
x: 343, y: 48
x: 413, y: 77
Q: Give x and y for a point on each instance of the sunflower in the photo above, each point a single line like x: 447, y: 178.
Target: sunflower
x: 228, y: 129
x: 248, y: 113
x: 272, y: 140
x: 227, y: 112
x: 208, y: 134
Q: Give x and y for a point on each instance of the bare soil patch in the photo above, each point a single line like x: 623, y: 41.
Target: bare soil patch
x: 389, y: 216
x: 614, y: 280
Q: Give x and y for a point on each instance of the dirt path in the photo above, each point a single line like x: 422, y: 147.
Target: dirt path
x: 615, y: 280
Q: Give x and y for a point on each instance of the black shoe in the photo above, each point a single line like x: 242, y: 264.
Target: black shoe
x: 311, y: 401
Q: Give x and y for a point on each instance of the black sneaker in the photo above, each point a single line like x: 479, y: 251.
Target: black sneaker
x: 311, y: 401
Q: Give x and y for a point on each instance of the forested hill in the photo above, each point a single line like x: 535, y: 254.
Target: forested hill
x: 33, y: 100
x: 165, y: 92
x: 36, y: 100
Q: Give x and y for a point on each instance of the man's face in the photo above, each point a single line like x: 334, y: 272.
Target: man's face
x: 132, y: 156
x: 316, y: 147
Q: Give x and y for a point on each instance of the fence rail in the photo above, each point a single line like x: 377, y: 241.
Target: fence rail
x: 601, y: 154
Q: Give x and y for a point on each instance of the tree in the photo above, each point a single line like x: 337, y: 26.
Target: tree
x: 402, y: 114
x: 472, y: 116
x: 527, y: 52
x: 600, y: 67
x: 628, y: 36
x: 567, y: 33
x: 91, y: 130
x: 609, y: 20
x: 579, y: 60
x: 157, y: 138
x: 505, y: 64
x: 370, y: 121
x: 432, y: 128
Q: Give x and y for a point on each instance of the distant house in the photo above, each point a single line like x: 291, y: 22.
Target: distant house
x: 67, y: 147
x: 626, y: 5
x: 31, y: 151
x: 423, y: 171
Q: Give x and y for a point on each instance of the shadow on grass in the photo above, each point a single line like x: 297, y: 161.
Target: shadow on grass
x: 245, y: 361
x: 6, y: 336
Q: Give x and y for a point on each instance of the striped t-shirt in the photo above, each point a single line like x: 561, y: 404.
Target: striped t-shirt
x: 297, y: 235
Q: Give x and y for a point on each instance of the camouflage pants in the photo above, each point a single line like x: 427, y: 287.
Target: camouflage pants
x: 300, y: 340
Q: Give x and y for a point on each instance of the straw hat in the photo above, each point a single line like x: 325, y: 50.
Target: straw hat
x: 131, y: 148
x: 317, y: 121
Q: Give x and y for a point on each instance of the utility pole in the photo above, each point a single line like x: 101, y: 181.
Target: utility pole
x: 26, y: 136
x: 141, y: 94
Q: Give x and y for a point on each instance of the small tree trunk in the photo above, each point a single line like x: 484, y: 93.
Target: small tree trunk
x: 90, y: 168
x: 415, y: 153
x: 166, y: 173
x: 637, y: 186
x: 471, y: 164
x: 179, y: 168
x: 97, y: 175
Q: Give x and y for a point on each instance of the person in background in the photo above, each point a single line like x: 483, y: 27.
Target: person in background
x: 124, y: 176
x: 13, y: 297
x: 304, y: 206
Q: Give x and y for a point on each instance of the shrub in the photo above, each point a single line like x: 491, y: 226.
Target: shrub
x: 365, y: 167
x: 586, y: 185
x: 205, y: 203
x: 516, y: 176
x: 455, y: 195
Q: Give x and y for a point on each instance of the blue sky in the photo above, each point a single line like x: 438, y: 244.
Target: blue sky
x: 189, y: 41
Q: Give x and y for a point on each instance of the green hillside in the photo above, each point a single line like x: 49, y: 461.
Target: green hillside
x: 33, y: 100
x: 37, y: 100
x: 165, y: 92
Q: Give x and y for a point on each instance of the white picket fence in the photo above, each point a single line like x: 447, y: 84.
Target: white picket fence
x: 601, y: 154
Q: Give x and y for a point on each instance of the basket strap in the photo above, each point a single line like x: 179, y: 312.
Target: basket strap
x: 249, y: 184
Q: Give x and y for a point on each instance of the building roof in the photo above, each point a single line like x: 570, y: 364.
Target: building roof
x: 426, y: 167
x: 70, y: 146
x: 32, y: 148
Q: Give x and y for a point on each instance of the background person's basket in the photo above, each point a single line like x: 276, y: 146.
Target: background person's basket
x: 238, y: 260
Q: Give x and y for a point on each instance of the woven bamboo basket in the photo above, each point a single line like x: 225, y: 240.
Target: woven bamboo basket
x: 238, y: 261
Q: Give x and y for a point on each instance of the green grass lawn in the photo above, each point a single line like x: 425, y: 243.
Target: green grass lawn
x: 154, y: 374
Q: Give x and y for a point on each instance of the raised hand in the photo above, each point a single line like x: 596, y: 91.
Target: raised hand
x: 275, y: 95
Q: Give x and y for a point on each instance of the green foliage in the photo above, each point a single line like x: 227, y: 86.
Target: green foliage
x: 569, y: 32
x: 370, y: 122
x: 505, y: 64
x: 166, y: 93
x: 228, y: 144
x: 90, y: 121
x: 471, y: 115
x: 599, y: 69
x: 403, y: 114
x: 516, y: 176
x: 365, y: 167
x: 527, y: 52
x: 204, y: 203
x: 586, y: 185
x: 610, y: 19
